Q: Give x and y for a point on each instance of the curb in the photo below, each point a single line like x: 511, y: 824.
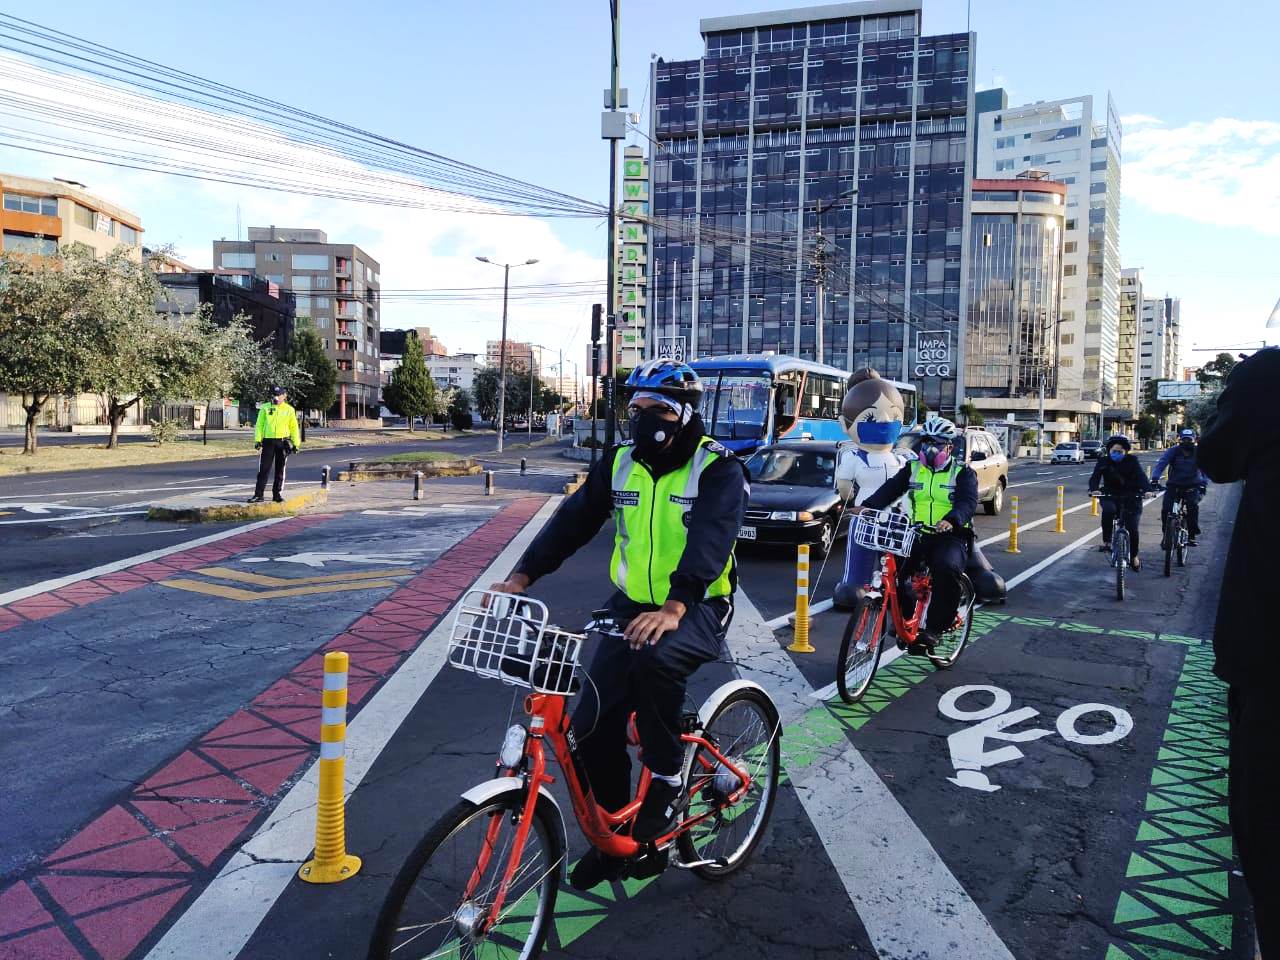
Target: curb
x: 405, y: 469
x: 180, y: 513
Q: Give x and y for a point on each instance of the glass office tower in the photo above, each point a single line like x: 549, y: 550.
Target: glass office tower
x: 787, y: 114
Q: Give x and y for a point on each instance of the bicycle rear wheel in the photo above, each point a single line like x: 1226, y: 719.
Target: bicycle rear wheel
x: 1120, y: 559
x: 1183, y: 536
x: 746, y: 730
x: 860, y: 649
x: 428, y: 913
x: 1170, y: 540
x: 952, y: 643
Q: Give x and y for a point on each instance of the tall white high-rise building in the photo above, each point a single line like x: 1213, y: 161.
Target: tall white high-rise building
x: 1065, y: 138
x: 1154, y: 342
x: 1127, y: 395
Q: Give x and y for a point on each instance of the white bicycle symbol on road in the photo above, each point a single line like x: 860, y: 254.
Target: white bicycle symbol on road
x: 969, y: 754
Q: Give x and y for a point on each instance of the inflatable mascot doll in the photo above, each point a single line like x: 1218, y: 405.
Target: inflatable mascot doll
x: 872, y: 416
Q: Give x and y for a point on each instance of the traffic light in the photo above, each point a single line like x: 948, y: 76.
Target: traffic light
x: 596, y: 311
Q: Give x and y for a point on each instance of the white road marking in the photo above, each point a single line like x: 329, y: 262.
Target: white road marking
x: 78, y: 516
x: 40, y: 507
x: 1031, y: 526
x: 229, y: 910
x: 115, y: 492
x: 913, y: 907
x: 320, y: 559
x: 174, y: 483
x: 114, y: 567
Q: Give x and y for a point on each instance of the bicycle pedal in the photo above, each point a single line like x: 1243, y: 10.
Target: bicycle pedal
x: 649, y: 864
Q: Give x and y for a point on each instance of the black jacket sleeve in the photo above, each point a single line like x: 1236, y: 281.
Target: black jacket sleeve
x: 1095, y: 480
x: 1224, y: 446
x: 573, y: 525
x: 964, y: 501
x: 714, y: 521
x: 890, y: 490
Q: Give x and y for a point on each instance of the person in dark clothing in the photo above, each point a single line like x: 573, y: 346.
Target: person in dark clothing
x: 677, y: 497
x: 1241, y: 441
x: 1185, y: 481
x: 1119, y: 474
x: 943, y: 494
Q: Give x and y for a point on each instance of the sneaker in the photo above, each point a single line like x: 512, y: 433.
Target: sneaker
x: 1193, y: 542
x: 257, y: 500
x: 926, y: 643
x: 657, y: 811
x: 1135, y: 564
x: 278, y: 499
x: 595, y: 868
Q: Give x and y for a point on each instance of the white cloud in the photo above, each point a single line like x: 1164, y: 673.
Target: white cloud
x: 1223, y: 171
x: 1132, y: 121
x: 417, y: 248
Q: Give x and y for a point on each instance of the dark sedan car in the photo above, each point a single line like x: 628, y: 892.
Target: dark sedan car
x: 793, y: 496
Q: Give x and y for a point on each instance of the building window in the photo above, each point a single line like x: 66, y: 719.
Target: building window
x: 1002, y: 165
x: 1069, y: 270
x: 29, y: 243
x: 303, y: 306
x: 1067, y: 339
x: 275, y: 256
x: 276, y: 278
x: 82, y: 216
x: 1071, y: 224
x: 128, y: 235
x: 1070, y: 246
x: 301, y: 282
x: 321, y: 303
x: 238, y: 261
x: 1002, y: 142
x: 20, y: 203
x: 310, y: 261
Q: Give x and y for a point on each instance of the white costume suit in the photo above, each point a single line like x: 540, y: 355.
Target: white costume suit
x: 867, y: 470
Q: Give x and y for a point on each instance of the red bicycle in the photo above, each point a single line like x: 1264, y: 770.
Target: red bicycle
x: 892, y: 535
x: 484, y: 879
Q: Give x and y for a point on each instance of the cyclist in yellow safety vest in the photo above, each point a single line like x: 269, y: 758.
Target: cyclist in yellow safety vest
x: 943, y: 494
x: 276, y: 435
x: 677, y: 498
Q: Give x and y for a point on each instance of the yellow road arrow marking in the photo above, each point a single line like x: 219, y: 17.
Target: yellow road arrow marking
x: 262, y: 580
x: 236, y: 593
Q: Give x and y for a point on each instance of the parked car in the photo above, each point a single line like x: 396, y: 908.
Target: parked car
x: 1068, y: 452
x: 793, y: 496
x: 1092, y: 449
x: 982, y: 450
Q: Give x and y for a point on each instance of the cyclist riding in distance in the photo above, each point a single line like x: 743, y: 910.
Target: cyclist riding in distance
x: 1185, y: 481
x: 677, y: 498
x: 943, y: 493
x: 1119, y: 474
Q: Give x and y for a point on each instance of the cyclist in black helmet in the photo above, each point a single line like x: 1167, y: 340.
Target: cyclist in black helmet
x: 1118, y: 473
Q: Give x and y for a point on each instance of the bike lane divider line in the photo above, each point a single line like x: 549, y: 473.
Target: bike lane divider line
x: 225, y: 915
x: 917, y: 907
x: 111, y: 887
x: 51, y: 597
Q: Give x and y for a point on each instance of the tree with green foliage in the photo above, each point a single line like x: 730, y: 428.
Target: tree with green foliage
x: 411, y: 392
x: 1148, y: 428
x: 1214, y: 373
x: 45, y: 324
x: 460, y: 409
x: 971, y: 415
x: 484, y: 391
x: 320, y: 391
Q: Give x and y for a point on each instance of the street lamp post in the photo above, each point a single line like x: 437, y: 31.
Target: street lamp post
x: 502, y: 345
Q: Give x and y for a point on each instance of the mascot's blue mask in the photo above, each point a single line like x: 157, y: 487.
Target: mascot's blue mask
x: 879, y: 431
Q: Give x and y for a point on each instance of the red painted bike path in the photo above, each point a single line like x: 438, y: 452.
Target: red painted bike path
x: 108, y: 892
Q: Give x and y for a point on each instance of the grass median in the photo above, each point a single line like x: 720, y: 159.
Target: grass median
x: 414, y: 456
x: 96, y: 456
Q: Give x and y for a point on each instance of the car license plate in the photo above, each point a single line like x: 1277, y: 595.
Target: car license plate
x: 746, y: 533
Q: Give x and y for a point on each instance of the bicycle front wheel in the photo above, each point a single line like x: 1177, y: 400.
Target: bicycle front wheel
x: 440, y: 902
x: 952, y: 643
x: 1170, y: 538
x: 1120, y: 559
x: 746, y: 730
x: 860, y: 649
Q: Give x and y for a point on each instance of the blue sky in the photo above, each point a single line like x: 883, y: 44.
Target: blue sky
x: 516, y: 88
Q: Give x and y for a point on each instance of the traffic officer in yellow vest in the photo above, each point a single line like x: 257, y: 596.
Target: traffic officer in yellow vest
x: 677, y: 499
x: 943, y: 493
x: 277, y: 436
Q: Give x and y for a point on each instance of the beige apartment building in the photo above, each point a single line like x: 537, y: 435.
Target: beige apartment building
x: 39, y: 216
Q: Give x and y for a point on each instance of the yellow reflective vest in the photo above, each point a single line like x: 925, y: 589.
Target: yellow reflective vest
x: 651, y: 519
x: 932, y: 492
x: 277, y: 421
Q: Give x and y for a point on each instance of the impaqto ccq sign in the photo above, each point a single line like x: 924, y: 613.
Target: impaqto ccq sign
x: 933, y: 354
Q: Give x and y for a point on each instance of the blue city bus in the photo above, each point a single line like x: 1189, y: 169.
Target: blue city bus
x: 753, y: 400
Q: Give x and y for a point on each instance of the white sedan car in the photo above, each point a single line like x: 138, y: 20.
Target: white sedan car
x: 1068, y: 453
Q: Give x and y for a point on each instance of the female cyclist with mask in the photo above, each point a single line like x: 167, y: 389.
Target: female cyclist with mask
x: 1119, y: 474
x: 677, y: 498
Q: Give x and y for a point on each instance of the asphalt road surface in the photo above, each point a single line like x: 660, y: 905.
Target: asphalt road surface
x: 1058, y: 793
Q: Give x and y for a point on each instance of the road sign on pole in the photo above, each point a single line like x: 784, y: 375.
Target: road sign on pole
x: 1178, y: 389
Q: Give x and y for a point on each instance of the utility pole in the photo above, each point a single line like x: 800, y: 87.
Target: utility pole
x: 595, y: 374
x: 820, y: 272
x: 613, y: 127
x: 1040, y: 435
x: 502, y: 345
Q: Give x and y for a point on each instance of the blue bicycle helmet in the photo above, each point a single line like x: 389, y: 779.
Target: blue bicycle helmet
x: 669, y: 378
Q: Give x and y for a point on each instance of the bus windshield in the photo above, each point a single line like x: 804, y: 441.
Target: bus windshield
x: 735, y: 406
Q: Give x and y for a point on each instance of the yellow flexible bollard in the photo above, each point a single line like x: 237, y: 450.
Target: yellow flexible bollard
x: 1059, y: 528
x: 1093, y: 506
x: 801, y: 642
x: 332, y: 863
x: 1013, y: 527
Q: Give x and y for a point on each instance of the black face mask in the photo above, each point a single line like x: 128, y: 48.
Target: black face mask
x: 651, y: 432
x: 1187, y: 444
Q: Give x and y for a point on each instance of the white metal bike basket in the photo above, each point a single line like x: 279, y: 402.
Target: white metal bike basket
x: 885, y: 531
x: 506, y: 637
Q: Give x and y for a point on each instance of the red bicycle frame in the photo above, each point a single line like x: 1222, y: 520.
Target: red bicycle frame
x: 548, y: 721
x: 921, y: 586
